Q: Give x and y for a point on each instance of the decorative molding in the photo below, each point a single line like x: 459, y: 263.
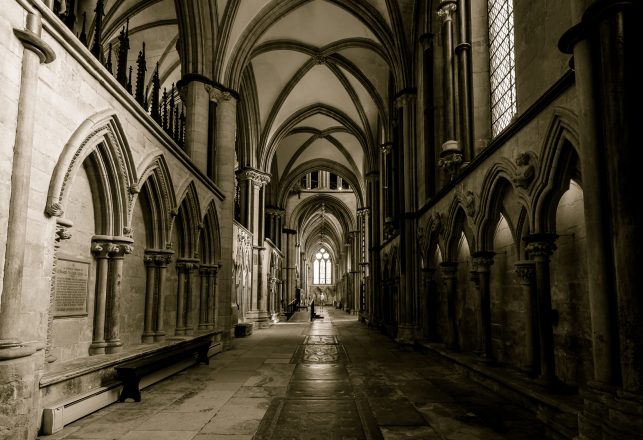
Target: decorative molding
x: 256, y: 176
x: 217, y: 95
x: 36, y: 44
x: 467, y: 199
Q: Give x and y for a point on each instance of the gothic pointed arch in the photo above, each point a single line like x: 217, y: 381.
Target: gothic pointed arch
x: 560, y: 163
x: 156, y: 193
x: 210, y: 243
x: 98, y: 144
x: 188, y: 223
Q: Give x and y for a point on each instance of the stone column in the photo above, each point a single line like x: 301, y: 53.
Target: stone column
x: 464, y: 73
x: 101, y: 254
x: 204, y: 271
x: 212, y: 297
x: 451, y: 154
x: 482, y: 261
x: 35, y: 52
x: 596, y: 203
x: 150, y: 289
x: 196, y: 98
x: 225, y: 137
x: 373, y: 200
x: 189, y: 281
x: 180, y: 298
x: 252, y: 182
x: 539, y: 248
x: 526, y: 272
x: 291, y: 255
x: 430, y: 304
x: 112, y: 325
x: 449, y: 275
x: 607, y: 49
x: 161, y: 260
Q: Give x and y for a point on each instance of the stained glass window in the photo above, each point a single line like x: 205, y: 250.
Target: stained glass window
x: 502, y: 64
x: 322, y: 268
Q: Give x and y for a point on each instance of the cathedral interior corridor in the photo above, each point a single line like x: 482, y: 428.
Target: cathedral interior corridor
x: 330, y: 379
x: 320, y: 219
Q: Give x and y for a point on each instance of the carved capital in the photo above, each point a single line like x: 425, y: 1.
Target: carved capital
x: 541, y: 246
x: 526, y: 272
x: 483, y: 260
x: 386, y: 148
x: 216, y: 94
x: 446, y: 10
x: 449, y: 269
x: 254, y: 175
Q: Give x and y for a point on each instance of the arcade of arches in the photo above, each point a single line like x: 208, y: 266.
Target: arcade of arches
x: 460, y: 174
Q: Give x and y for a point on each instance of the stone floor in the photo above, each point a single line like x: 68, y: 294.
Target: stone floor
x: 332, y: 379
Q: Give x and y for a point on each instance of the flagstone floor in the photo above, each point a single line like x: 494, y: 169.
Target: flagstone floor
x: 330, y: 379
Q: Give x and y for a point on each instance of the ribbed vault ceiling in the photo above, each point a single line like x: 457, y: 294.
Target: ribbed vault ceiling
x: 313, y: 75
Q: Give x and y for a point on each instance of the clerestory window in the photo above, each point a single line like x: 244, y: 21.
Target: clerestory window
x: 322, y: 268
x: 502, y: 64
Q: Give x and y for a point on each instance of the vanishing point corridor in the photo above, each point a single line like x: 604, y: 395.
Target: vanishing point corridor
x: 330, y: 379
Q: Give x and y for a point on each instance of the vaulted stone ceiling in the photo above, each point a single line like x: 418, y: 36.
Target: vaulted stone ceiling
x: 314, y: 76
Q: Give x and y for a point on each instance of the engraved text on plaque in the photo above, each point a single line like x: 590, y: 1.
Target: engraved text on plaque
x: 71, y: 287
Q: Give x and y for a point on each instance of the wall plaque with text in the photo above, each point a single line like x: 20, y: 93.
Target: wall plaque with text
x: 71, y: 287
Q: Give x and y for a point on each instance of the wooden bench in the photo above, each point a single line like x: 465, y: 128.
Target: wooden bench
x: 130, y: 373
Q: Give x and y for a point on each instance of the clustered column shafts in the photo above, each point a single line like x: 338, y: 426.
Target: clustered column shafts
x: 607, y: 51
x: 449, y: 275
x: 526, y: 272
x: 109, y: 257
x: 482, y: 261
x: 208, y: 293
x: 539, y: 248
x: 185, y: 268
x: 156, y: 262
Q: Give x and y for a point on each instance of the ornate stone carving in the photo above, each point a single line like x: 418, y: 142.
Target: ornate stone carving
x: 525, y: 172
x: 62, y: 233
x: 386, y: 148
x: 320, y: 59
x: 257, y: 177
x: 446, y: 10
x: 437, y: 222
x: 54, y: 210
x: 526, y: 271
x: 468, y: 200
x: 216, y: 94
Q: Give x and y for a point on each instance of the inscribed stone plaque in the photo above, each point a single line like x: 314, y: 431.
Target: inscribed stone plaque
x: 71, y: 288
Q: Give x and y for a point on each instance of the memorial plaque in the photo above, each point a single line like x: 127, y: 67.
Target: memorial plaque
x: 72, y: 278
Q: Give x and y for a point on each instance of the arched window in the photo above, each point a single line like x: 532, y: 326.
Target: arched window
x: 322, y: 268
x: 502, y: 63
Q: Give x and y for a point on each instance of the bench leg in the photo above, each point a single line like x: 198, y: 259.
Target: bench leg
x: 130, y: 390
x: 202, y: 356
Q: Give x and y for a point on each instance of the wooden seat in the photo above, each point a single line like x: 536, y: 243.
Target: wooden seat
x: 130, y: 373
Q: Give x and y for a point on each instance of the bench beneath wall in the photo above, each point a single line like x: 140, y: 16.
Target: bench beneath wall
x: 130, y: 373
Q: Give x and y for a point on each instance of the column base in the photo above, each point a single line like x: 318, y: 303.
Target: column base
x: 610, y: 414
x: 260, y: 317
x: 147, y: 338
x: 159, y: 337
x: 114, y: 347
x: 406, y: 334
x: 97, y: 348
